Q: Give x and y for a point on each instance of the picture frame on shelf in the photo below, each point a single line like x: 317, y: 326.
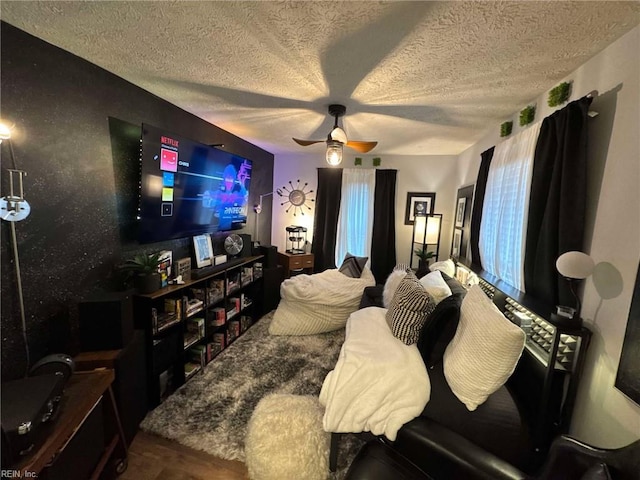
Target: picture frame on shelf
x: 203, y: 250
x: 457, y: 243
x: 424, y: 201
x: 460, y: 211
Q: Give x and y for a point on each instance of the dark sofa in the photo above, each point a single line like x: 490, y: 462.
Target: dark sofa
x: 448, y: 440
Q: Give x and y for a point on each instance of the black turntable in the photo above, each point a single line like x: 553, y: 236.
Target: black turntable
x: 28, y: 406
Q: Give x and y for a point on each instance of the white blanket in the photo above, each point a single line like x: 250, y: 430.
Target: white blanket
x: 378, y: 383
x: 330, y: 287
x: 318, y: 303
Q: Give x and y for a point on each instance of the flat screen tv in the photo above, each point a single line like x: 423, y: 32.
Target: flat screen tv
x: 188, y: 188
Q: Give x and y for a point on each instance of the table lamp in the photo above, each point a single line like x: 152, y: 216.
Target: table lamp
x: 574, y: 267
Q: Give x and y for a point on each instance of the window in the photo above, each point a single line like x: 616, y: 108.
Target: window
x: 506, y: 205
x: 355, y: 220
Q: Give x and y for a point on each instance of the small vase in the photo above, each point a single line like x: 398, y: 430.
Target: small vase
x: 147, y: 283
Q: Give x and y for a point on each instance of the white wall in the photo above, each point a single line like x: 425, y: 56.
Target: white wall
x: 603, y: 415
x: 428, y: 173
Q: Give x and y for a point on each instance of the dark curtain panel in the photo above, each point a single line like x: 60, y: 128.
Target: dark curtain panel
x: 383, y: 241
x: 476, y: 215
x: 557, y: 202
x: 325, y: 224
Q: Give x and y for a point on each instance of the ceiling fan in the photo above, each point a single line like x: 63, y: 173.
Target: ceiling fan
x: 337, y: 138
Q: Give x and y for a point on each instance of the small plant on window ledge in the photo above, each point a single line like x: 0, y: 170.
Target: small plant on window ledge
x: 559, y: 94
x: 377, y: 161
x: 358, y: 161
x: 527, y: 114
x: 506, y: 128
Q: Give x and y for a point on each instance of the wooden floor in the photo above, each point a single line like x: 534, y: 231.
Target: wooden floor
x: 155, y: 458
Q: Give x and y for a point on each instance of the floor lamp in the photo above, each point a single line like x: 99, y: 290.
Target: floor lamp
x: 257, y: 208
x: 426, y: 232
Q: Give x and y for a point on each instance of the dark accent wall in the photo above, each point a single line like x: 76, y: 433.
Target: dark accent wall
x: 77, y: 132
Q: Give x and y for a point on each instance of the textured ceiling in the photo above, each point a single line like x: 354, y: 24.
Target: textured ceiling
x: 421, y: 78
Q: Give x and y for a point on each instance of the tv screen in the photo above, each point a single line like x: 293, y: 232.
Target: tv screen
x: 188, y: 188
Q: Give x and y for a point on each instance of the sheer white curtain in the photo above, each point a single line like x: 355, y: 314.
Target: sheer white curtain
x: 506, y: 205
x: 355, y: 221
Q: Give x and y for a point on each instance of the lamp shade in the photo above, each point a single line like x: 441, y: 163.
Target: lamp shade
x: 334, y: 152
x: 419, y: 226
x: 433, y: 229
x: 576, y: 265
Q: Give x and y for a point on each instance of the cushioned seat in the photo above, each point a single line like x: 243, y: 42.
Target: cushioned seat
x: 497, y: 424
x: 376, y: 461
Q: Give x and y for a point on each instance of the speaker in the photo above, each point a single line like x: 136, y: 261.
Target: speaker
x: 246, y: 245
x: 273, y: 277
x: 270, y: 253
x: 130, y: 385
x: 106, y: 321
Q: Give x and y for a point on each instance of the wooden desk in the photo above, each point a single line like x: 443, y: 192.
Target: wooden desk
x: 81, y: 393
x: 296, y: 263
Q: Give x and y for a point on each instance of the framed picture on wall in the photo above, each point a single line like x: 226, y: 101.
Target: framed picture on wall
x: 460, y: 210
x: 457, y: 243
x: 422, y: 201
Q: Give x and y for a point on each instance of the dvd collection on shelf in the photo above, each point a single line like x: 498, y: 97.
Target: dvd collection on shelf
x: 213, y: 313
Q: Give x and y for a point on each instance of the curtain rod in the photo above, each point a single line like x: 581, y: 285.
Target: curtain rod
x: 592, y: 94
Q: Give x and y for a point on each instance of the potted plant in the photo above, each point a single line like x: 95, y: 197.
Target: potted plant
x: 424, y: 256
x: 144, y: 270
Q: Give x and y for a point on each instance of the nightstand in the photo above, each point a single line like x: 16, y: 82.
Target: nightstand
x: 294, y: 264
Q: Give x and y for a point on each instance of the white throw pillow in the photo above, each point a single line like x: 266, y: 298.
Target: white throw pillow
x: 436, y: 286
x: 484, y: 351
x: 391, y: 285
x: 447, y: 266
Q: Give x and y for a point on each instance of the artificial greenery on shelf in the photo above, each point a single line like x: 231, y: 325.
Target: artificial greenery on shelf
x: 376, y: 161
x: 142, y: 264
x: 559, y: 94
x: 506, y: 128
x: 527, y: 114
x: 358, y: 161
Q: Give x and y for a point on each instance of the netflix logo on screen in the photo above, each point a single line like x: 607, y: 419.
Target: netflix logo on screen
x: 169, y: 142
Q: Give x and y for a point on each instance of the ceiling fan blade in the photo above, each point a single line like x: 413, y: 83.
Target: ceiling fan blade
x: 306, y: 143
x: 362, y: 147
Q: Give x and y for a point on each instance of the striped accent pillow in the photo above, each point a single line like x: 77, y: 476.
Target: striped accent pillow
x: 409, y: 308
x: 353, y: 266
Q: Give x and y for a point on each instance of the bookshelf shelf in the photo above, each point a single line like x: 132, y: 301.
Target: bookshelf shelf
x: 188, y: 325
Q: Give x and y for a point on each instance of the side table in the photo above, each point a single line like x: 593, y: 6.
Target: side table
x: 82, y: 393
x: 295, y: 263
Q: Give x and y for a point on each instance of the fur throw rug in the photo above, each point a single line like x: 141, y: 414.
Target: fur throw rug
x: 211, y: 411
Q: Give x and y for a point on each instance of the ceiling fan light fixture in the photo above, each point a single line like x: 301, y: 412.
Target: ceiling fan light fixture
x: 338, y: 134
x: 334, y: 152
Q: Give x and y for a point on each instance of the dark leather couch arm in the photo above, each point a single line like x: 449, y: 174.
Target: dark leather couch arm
x: 570, y: 458
x: 444, y: 454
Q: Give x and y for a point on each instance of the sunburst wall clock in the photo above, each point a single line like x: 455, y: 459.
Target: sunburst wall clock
x: 296, y: 197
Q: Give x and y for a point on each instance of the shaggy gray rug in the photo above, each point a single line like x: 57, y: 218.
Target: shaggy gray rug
x: 211, y: 411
